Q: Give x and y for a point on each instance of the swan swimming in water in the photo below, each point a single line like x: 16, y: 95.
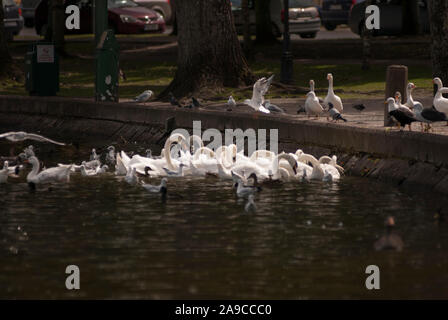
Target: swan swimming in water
x: 57, y: 174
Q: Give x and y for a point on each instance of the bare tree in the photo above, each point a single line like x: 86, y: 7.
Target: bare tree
x: 209, y: 53
x: 439, y: 37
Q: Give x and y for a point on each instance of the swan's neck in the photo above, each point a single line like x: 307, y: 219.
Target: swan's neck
x: 311, y: 86
x: 35, y: 170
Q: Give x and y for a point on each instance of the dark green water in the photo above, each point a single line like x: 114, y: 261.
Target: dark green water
x: 306, y: 240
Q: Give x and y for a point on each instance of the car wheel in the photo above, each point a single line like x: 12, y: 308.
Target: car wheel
x: 329, y: 26
x: 311, y: 35
x: 29, y: 23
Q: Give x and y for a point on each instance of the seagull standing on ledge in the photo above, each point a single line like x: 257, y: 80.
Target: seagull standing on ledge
x: 231, y: 104
x: 261, y: 87
x: 145, y: 96
x: 21, y: 136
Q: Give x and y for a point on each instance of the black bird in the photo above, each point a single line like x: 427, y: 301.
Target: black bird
x: 403, y: 116
x: 428, y: 115
x: 390, y: 240
x: 195, y: 102
x: 301, y: 109
x: 359, y: 107
x: 173, y: 100
x: 334, y: 113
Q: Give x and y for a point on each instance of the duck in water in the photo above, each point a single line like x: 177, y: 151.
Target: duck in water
x: 390, y: 240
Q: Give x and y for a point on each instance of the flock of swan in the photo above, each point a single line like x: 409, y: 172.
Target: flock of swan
x: 182, y: 157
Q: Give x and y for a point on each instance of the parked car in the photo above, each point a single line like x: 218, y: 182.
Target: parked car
x: 163, y: 7
x: 335, y: 12
x: 13, y: 20
x: 28, y: 9
x: 125, y: 16
x: 391, y: 17
x: 303, y: 17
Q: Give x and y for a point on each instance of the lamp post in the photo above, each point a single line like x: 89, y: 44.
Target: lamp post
x: 287, y: 63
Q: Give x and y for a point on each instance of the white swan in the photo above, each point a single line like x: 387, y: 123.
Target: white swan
x: 317, y: 173
x: 332, y: 97
x: 57, y: 174
x: 312, y: 105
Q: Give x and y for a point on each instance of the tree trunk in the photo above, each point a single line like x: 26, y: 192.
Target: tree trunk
x: 366, y: 44
x: 263, y: 22
x: 209, y: 53
x: 439, y: 38
x: 173, y: 18
x: 58, y: 23
x: 246, y: 29
x: 5, y: 56
x: 411, y: 17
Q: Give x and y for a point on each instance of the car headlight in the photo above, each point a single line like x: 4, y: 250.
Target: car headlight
x: 127, y: 19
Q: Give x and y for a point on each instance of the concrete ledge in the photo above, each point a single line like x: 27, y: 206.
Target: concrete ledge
x: 110, y: 116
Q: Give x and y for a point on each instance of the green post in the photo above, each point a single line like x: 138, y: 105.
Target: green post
x: 100, y: 24
x: 107, y: 53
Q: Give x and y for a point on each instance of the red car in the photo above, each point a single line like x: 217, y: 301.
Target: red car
x: 125, y: 16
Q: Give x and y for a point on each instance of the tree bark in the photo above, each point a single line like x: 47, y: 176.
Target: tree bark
x: 246, y: 29
x: 411, y: 17
x: 58, y: 23
x: 263, y: 22
x: 439, y: 38
x: 209, y: 53
x: 173, y: 19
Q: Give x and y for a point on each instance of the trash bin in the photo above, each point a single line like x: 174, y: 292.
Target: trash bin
x: 107, y: 68
x: 42, y: 69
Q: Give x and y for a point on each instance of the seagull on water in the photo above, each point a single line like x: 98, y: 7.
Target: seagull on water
x: 162, y: 188
x: 261, y: 87
x: 145, y: 96
x: 21, y: 136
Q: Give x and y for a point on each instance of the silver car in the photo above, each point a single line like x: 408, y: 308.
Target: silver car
x: 303, y: 17
x: 163, y: 7
x: 13, y: 21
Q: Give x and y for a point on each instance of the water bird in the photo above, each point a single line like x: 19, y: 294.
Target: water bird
x: 334, y: 113
x: 173, y: 100
x: 440, y: 102
x: 332, y: 97
x: 359, y: 107
x: 390, y: 240
x: 179, y: 172
x: 93, y: 155
x: 410, y: 100
x: 195, y: 102
x: 250, y: 205
x: 428, y: 115
x: 301, y: 109
x: 312, y: 105
x: 4, y: 173
x: 131, y: 176
x: 144, y: 96
x: 260, y: 88
x: 327, y: 177
x: 21, y: 136
x: 110, y: 156
x: 162, y: 188
x: 402, y: 116
x: 272, y: 107
x: 57, y: 174
x: 231, y: 104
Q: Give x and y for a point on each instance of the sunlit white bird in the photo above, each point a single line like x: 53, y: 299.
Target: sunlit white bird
x: 231, y: 104
x: 21, y: 136
x: 261, y: 87
x: 144, y: 96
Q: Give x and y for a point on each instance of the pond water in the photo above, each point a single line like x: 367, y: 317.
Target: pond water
x: 306, y: 240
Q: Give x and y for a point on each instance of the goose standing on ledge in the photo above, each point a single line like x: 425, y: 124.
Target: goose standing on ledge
x: 331, y: 97
x: 440, y: 102
x: 312, y: 105
x: 410, y: 101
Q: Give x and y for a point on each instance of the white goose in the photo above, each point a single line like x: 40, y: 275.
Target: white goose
x: 57, y: 174
x: 440, y: 102
x: 312, y: 105
x: 332, y: 97
x: 410, y: 100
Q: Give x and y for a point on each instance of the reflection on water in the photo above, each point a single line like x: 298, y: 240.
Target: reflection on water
x: 306, y: 240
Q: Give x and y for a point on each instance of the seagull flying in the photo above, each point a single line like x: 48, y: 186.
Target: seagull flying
x: 261, y: 87
x: 21, y: 136
x: 145, y: 96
